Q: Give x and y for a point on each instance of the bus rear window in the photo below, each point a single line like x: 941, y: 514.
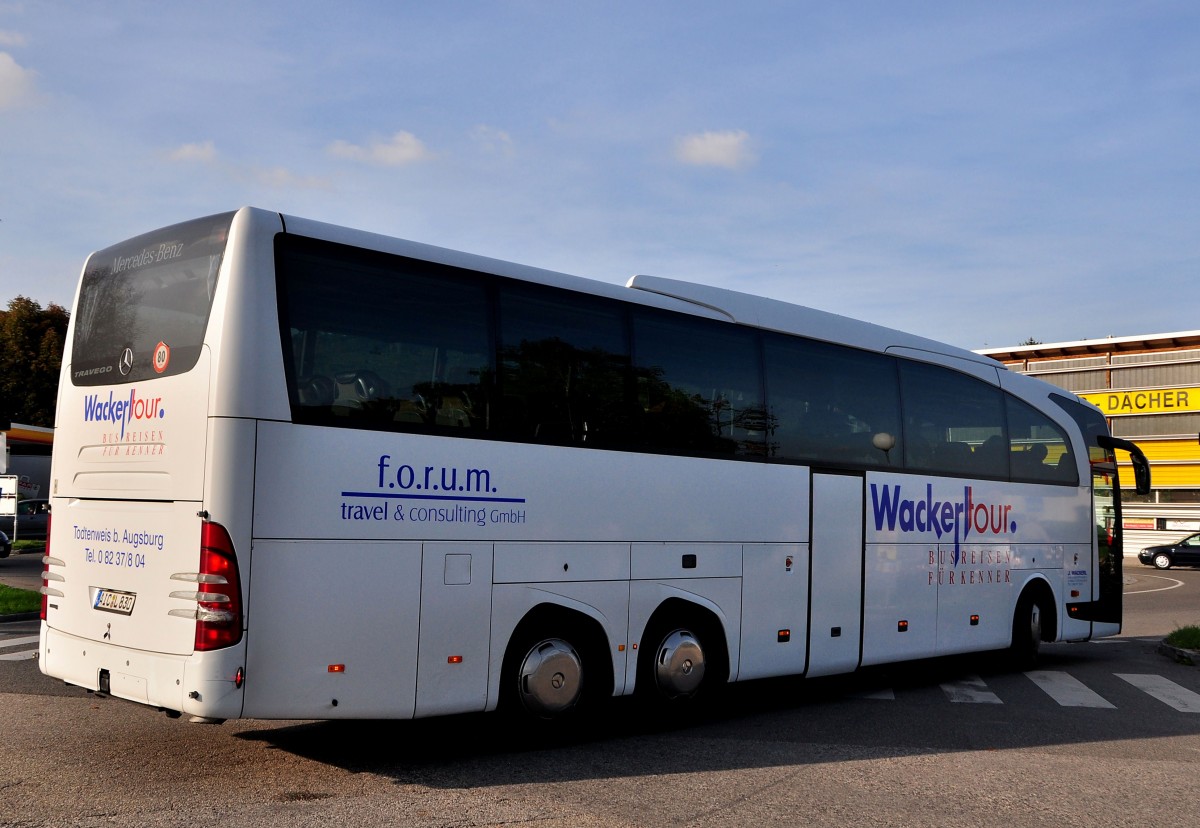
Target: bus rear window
x: 144, y: 304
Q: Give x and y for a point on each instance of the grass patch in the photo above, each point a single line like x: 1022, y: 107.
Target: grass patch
x: 18, y: 600
x: 28, y: 546
x: 1187, y: 638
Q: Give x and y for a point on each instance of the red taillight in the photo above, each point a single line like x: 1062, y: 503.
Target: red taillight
x: 45, y: 567
x: 219, y: 610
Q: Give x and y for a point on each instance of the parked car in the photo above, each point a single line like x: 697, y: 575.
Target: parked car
x: 5, y: 545
x: 1184, y: 552
x: 33, y: 517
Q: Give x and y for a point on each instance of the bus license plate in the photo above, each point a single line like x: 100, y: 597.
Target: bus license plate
x: 112, y: 600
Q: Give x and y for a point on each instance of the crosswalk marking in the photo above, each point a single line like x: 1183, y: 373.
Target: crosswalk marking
x: 19, y: 656
x: 970, y: 690
x: 17, y: 641
x: 1165, y: 690
x: 1067, y: 690
x: 14, y: 642
x: 1062, y: 687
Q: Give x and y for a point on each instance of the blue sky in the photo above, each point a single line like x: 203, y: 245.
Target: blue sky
x: 975, y: 172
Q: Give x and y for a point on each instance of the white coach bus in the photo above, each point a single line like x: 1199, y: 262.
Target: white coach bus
x: 302, y: 471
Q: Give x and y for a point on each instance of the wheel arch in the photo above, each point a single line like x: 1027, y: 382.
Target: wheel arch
x: 1040, y: 589
x: 677, y: 611
x: 577, y: 626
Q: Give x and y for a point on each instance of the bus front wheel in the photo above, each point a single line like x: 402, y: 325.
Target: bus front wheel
x: 1028, y: 622
x: 547, y: 677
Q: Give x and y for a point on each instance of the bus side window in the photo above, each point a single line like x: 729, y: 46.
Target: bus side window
x: 829, y: 403
x: 1040, y: 450
x: 383, y: 342
x: 943, y: 407
x: 699, y: 384
x: 564, y: 363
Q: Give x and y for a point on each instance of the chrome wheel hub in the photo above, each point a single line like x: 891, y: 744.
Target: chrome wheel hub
x: 679, y: 664
x: 550, y: 678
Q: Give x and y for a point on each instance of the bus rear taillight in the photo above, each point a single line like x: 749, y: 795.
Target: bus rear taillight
x: 219, y: 611
x: 218, y: 595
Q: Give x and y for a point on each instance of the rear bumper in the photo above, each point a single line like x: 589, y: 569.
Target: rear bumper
x: 200, y: 684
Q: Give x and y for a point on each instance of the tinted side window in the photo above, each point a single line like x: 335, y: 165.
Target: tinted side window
x: 953, y: 423
x: 381, y: 341
x: 832, y: 404
x: 699, y: 387
x: 564, y: 368
x: 1040, y: 449
x: 1091, y: 422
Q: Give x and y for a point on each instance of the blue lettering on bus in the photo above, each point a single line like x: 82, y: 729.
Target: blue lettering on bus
x: 123, y: 410
x: 404, y: 477
x: 454, y: 486
x: 954, y: 518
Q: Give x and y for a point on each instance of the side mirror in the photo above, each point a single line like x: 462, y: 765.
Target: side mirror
x: 1141, y: 466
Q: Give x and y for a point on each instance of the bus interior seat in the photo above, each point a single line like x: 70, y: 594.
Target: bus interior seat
x: 317, y: 390
x: 357, y: 387
x: 454, y: 410
x: 411, y: 411
x: 1031, y: 461
x: 455, y: 417
x: 953, y: 457
x: 992, y: 454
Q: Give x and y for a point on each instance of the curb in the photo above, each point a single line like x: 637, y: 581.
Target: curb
x: 1179, y: 655
x: 20, y: 616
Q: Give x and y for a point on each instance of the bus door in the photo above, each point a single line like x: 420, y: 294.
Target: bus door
x: 1107, y: 578
x: 836, y: 585
x: 1104, y: 611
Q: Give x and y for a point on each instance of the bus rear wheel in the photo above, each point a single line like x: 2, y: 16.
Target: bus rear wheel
x: 677, y: 665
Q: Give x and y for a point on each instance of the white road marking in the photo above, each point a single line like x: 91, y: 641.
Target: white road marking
x: 1165, y: 690
x: 971, y: 690
x: 22, y: 656
x: 16, y: 642
x: 1067, y: 690
x: 1175, y: 584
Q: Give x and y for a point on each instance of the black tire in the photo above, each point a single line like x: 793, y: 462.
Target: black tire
x: 1162, y: 561
x: 1028, y: 620
x: 681, y: 664
x: 543, y: 677
x: 554, y: 669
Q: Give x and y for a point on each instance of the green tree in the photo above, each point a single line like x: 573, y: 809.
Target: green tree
x: 31, y: 350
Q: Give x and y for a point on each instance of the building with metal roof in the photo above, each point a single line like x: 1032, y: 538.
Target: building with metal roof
x: 1149, y: 389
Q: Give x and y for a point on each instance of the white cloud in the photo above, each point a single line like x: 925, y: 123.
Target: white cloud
x: 728, y: 149
x: 281, y: 178
x: 16, y: 82
x: 274, y: 178
x: 493, y: 141
x: 205, y: 153
x: 11, y: 38
x: 401, y: 149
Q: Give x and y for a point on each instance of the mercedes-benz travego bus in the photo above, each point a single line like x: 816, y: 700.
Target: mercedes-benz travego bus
x: 302, y: 471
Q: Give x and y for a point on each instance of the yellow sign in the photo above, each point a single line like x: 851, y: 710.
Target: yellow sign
x: 1147, y: 401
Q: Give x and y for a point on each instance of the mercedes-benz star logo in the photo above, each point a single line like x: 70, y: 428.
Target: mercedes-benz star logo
x: 126, y: 363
